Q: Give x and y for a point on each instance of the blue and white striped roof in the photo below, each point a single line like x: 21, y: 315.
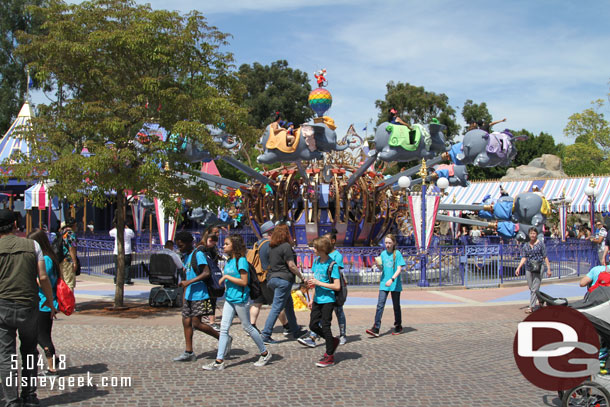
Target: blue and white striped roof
x: 13, y: 140
x: 552, y: 189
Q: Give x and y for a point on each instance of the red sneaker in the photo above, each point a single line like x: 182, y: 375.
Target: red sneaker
x: 327, y: 360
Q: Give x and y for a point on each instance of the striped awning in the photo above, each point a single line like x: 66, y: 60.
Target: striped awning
x: 37, y: 196
x: 573, y: 188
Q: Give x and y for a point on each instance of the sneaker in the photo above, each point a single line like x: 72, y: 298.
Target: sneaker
x: 216, y: 327
x: 263, y: 360
x: 214, y: 366
x: 129, y: 283
x: 228, y: 348
x: 31, y: 401
x: 327, y: 360
x: 374, y: 332
x: 185, y: 357
x: 342, y: 340
x: 270, y: 341
x: 286, y: 330
x: 307, y: 341
x: 397, y: 330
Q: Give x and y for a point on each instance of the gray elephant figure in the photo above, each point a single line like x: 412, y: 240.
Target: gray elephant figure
x: 398, y: 143
x: 527, y: 212
x: 457, y: 175
x: 486, y: 150
x: 311, y: 140
x: 192, y: 150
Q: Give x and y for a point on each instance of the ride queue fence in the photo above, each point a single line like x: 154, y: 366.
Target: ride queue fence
x: 481, y: 265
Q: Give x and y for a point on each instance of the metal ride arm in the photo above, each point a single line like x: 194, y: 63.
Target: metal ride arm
x: 214, y: 179
x: 465, y: 207
x: 464, y: 221
x: 367, y: 163
x: 247, y: 170
x: 411, y: 171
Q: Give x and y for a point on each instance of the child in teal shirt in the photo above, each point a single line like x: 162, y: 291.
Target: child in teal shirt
x: 237, y: 296
x: 326, y: 280
x: 392, y: 263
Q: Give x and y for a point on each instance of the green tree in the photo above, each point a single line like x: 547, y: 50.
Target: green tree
x: 584, y: 159
x: 272, y: 88
x: 473, y: 113
x: 590, y: 126
x: 416, y: 105
x: 111, y: 59
x: 14, y: 18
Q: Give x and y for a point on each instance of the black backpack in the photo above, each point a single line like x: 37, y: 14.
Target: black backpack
x: 341, y: 294
x: 253, y: 283
x: 215, y: 289
x: 58, y: 247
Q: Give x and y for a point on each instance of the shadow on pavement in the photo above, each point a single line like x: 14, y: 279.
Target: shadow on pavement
x: 553, y: 401
x: 93, y: 369
x: 81, y: 394
x: 341, y: 356
x: 134, y: 310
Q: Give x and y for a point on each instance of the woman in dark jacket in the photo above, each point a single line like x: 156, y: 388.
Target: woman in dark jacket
x: 281, y: 276
x: 534, y: 254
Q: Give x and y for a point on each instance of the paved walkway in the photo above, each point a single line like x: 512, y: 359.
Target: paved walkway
x: 456, y: 351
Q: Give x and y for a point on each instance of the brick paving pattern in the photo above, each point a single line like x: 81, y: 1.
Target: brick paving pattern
x: 460, y: 356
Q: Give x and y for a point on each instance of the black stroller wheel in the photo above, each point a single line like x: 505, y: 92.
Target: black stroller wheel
x: 588, y: 394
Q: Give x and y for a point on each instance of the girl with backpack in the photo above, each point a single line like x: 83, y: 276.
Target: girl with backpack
x: 322, y: 303
x: 237, y: 295
x: 391, y: 265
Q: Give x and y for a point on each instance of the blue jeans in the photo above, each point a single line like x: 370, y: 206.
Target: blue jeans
x: 282, y: 300
x: 23, y: 319
x: 243, y: 313
x: 383, y: 296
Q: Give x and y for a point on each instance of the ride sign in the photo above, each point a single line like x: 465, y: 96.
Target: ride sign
x: 556, y: 348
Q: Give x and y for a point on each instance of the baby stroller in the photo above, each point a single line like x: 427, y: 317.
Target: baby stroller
x: 162, y: 271
x: 596, y: 307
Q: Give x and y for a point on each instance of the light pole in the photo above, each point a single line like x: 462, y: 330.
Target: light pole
x: 565, y: 202
x: 591, y: 193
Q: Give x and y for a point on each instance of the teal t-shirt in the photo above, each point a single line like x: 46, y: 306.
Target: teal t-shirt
x: 324, y: 295
x: 197, y: 291
x: 53, y: 277
x: 388, y: 270
x: 337, y: 257
x: 235, y: 293
x: 593, y: 274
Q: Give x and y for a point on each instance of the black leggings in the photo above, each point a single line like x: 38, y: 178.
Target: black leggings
x: 45, y: 325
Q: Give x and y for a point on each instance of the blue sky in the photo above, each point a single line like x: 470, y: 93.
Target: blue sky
x: 534, y: 62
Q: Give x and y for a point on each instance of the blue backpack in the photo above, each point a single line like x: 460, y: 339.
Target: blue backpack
x: 215, y: 289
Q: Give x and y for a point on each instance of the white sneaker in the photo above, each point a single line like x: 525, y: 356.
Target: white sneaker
x: 185, y: 357
x: 214, y: 366
x: 228, y: 348
x: 342, y: 340
x: 262, y: 361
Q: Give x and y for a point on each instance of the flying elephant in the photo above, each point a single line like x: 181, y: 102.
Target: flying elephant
x: 529, y: 209
x: 399, y: 143
x: 457, y: 175
x: 310, y: 141
x: 193, y: 150
x: 486, y: 150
